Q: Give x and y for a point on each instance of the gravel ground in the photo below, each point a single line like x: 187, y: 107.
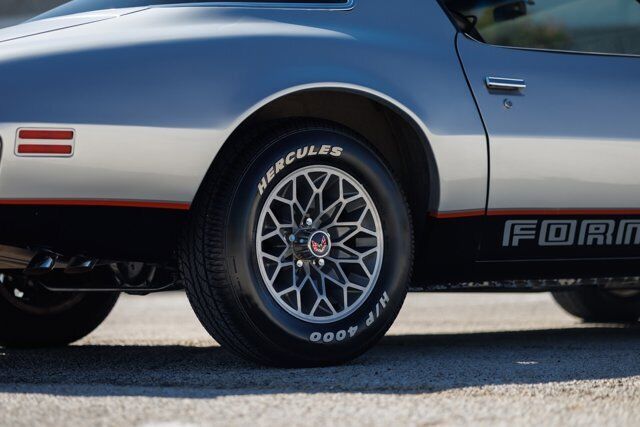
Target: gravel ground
x: 486, y: 359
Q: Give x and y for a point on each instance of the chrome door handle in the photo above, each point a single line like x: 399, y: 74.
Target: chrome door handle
x: 504, y: 83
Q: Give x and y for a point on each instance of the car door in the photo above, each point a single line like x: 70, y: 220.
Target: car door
x: 557, y: 83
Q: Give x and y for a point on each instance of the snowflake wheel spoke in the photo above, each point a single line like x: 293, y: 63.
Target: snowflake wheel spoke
x: 323, y: 287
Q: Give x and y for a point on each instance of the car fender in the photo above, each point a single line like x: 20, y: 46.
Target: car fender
x: 155, y: 94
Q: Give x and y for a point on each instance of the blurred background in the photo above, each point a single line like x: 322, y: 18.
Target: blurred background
x: 15, y: 11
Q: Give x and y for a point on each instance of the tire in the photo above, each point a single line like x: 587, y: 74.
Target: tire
x: 598, y: 305
x: 31, y: 316
x: 225, y: 270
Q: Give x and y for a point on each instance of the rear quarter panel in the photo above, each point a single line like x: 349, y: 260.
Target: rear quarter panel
x: 153, y: 95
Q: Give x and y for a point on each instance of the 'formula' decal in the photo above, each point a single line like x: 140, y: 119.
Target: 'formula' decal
x: 300, y: 153
x: 571, y: 232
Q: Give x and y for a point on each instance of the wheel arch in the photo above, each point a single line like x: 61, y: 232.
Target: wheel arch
x: 394, y: 131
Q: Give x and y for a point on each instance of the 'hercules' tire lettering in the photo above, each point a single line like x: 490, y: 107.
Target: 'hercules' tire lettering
x: 290, y: 158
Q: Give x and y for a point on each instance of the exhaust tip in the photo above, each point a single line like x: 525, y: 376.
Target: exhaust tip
x: 80, y: 265
x: 42, y: 263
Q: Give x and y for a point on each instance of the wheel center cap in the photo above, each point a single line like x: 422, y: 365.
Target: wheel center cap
x: 319, y: 244
x: 311, y: 244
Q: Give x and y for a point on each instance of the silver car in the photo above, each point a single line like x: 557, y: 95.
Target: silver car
x: 298, y: 166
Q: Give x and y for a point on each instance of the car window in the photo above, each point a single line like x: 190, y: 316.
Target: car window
x: 82, y: 6
x: 595, y: 26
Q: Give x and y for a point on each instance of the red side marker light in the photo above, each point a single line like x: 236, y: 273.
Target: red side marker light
x: 58, y: 135
x: 45, y: 142
x: 44, y: 149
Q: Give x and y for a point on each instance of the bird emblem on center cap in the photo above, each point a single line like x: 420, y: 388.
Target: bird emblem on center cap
x: 319, y: 244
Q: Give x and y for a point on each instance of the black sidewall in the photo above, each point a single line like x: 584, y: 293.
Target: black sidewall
x: 599, y: 305
x: 22, y: 329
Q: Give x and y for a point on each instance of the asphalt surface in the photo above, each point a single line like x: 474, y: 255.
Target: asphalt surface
x: 485, y: 359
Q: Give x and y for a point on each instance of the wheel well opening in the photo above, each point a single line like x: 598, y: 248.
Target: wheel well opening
x: 388, y: 130
x: 393, y: 134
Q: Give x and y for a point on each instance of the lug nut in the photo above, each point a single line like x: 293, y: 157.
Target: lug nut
x: 299, y: 263
x: 321, y: 262
x: 292, y: 238
x: 309, y: 222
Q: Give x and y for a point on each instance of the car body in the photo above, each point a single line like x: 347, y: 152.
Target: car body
x: 519, y: 163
